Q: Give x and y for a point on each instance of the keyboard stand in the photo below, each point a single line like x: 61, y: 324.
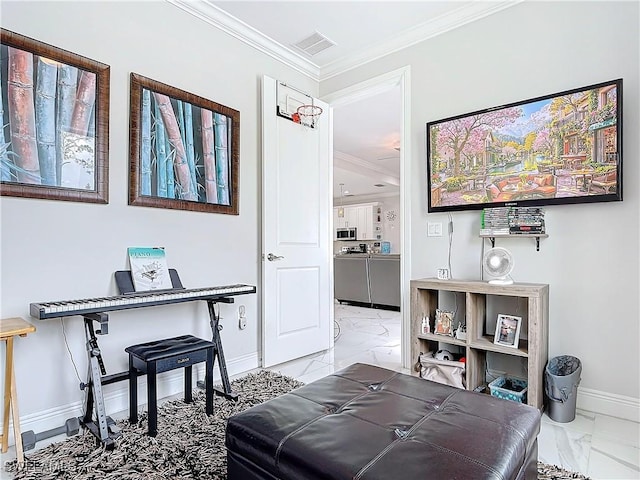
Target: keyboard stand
x: 102, y: 427
x: 94, y: 417
x: 214, y: 321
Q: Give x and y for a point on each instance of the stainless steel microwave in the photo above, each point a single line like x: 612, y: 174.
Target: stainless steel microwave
x: 346, y: 233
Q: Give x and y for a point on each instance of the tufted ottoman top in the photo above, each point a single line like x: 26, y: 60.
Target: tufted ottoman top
x: 366, y: 422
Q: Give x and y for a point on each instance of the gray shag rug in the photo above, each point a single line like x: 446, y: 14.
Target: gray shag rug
x: 189, y: 444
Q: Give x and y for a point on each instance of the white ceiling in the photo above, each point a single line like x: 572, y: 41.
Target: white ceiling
x: 361, y: 29
x: 367, y: 132
x: 366, y: 138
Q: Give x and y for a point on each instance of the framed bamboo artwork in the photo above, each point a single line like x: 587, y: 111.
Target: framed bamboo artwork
x: 54, y: 141
x: 184, y: 150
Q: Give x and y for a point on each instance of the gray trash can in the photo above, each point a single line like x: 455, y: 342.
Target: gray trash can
x: 562, y: 376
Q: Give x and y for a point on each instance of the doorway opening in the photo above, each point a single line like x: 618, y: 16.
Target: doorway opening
x: 371, y: 272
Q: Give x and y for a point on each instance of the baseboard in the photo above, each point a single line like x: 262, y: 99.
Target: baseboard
x: 627, y: 408
x: 116, y: 396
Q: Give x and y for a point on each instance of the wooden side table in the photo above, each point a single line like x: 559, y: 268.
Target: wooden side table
x: 9, y: 328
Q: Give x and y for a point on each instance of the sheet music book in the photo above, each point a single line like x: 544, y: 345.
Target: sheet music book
x: 149, y: 269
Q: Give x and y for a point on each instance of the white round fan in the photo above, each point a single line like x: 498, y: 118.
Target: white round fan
x: 498, y: 262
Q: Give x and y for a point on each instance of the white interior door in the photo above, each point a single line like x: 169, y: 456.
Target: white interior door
x: 296, y: 269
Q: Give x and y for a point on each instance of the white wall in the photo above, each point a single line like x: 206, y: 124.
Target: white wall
x: 55, y: 250
x: 590, y: 259
x: 391, y: 229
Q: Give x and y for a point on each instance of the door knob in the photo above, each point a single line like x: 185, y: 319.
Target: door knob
x: 271, y: 257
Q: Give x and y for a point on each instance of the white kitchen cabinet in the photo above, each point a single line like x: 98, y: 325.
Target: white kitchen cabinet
x: 365, y: 217
x: 369, y: 222
x: 365, y: 223
x: 349, y: 219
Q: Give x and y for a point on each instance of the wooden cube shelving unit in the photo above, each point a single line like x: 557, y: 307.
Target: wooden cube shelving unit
x: 425, y: 299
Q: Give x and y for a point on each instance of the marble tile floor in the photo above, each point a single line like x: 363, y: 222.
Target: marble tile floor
x: 366, y: 335
x: 599, y: 446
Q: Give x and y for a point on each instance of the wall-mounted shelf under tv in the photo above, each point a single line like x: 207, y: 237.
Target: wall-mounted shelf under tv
x: 493, y: 236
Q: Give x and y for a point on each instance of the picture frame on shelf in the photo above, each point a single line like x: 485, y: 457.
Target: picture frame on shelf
x: 508, y: 331
x: 444, y: 323
x: 184, y: 150
x: 55, y: 110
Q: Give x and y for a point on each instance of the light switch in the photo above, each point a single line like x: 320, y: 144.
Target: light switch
x: 434, y: 229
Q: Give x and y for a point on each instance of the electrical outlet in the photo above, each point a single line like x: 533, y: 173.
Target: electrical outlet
x: 242, y: 319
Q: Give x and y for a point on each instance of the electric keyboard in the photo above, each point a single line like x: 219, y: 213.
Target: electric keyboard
x: 44, y: 310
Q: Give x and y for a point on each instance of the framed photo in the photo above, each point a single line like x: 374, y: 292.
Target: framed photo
x: 444, y: 323
x: 54, y: 141
x: 507, y: 331
x: 184, y: 150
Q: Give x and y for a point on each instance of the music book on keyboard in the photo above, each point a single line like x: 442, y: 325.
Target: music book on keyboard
x: 149, y: 269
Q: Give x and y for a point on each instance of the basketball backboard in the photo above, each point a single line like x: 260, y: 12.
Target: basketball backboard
x: 289, y: 100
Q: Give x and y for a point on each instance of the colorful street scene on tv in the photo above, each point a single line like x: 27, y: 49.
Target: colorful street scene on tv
x: 558, y: 147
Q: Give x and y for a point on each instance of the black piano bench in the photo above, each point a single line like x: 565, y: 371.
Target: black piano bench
x: 161, y: 356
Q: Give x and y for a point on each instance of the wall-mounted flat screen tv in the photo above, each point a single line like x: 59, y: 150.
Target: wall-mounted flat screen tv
x: 557, y: 149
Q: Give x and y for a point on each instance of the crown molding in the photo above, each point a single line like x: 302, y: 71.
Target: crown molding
x: 217, y: 17
x: 439, y: 25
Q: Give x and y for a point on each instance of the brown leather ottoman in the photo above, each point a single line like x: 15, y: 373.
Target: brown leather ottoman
x: 366, y: 422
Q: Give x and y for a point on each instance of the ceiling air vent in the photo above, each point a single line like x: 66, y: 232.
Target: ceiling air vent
x: 378, y: 185
x: 314, y: 44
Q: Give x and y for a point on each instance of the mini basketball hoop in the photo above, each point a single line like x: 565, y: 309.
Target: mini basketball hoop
x: 307, y: 115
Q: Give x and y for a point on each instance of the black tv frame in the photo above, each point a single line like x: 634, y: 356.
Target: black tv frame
x: 535, y: 198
